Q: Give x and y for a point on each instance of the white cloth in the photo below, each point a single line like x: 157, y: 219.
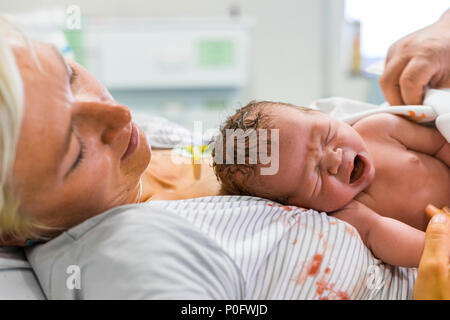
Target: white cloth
x: 228, y: 247
x: 165, y: 134
x: 436, y: 108
x: 440, y: 101
x: 135, y: 252
x: 286, y: 252
x: 17, y: 280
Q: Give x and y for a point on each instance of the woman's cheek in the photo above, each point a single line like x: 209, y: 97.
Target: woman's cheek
x: 97, y: 172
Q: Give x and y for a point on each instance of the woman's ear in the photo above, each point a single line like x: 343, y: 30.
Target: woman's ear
x: 8, y: 241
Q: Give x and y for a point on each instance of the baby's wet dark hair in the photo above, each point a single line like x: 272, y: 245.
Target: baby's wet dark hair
x: 238, y: 178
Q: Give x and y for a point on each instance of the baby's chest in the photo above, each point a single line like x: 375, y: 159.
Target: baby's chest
x: 394, y: 163
x: 405, y: 182
x: 405, y: 169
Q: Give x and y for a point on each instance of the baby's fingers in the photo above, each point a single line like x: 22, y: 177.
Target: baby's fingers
x: 414, y: 79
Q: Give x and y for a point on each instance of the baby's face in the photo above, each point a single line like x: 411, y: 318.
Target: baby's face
x: 324, y: 162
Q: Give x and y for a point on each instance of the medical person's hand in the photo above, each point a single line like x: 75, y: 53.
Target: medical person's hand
x: 418, y: 61
x: 433, y: 280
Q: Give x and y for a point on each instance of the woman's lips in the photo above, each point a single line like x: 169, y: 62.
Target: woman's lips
x: 133, y: 143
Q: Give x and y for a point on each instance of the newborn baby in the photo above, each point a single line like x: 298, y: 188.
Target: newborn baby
x: 378, y: 175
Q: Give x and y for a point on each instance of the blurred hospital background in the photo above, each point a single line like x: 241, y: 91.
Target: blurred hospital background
x: 201, y: 59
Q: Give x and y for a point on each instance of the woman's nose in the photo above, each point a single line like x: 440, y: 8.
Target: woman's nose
x: 334, y: 159
x: 106, y: 117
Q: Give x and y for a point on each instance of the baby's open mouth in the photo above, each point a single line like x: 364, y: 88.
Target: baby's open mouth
x: 358, y: 169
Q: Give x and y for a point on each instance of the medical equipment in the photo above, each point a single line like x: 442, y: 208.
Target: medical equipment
x: 184, y: 70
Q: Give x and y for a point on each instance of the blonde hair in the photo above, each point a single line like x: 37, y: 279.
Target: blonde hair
x: 12, y: 222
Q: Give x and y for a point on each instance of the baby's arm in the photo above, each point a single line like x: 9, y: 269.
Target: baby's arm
x: 420, y: 138
x: 390, y: 240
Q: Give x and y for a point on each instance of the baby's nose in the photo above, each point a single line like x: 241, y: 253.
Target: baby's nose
x: 334, y: 160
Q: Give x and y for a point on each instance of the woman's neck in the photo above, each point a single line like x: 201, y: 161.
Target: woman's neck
x: 169, y: 178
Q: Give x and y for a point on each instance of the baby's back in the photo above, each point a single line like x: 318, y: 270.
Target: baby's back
x: 405, y: 180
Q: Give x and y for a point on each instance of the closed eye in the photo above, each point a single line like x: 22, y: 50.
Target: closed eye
x: 329, y: 136
x: 81, y: 155
x: 316, y: 188
x: 73, y: 75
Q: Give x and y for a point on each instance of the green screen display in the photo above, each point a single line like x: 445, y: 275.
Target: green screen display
x: 215, y: 53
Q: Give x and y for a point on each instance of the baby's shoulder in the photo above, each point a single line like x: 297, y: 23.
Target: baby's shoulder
x: 380, y: 124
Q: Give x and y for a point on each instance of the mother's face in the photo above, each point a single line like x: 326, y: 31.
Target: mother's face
x: 72, y: 160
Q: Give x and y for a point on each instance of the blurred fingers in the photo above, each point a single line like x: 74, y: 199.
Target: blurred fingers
x: 431, y: 210
x: 437, y: 243
x: 390, y: 80
x: 414, y: 79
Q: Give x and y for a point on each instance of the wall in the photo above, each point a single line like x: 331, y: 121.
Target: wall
x: 337, y: 79
x: 287, y: 55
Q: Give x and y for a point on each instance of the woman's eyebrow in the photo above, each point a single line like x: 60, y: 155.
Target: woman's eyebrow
x: 64, y: 64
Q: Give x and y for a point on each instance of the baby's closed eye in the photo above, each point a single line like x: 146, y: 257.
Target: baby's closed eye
x: 330, y: 135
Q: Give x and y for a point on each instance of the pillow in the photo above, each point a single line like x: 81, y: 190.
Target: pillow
x: 17, y: 279
x: 165, y: 134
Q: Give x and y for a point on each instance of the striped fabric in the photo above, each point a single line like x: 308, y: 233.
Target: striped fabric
x: 165, y: 134
x: 285, y: 252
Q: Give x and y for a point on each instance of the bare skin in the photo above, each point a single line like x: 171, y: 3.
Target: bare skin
x: 386, y: 202
x: 167, y: 180
x: 70, y: 160
x: 421, y: 154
